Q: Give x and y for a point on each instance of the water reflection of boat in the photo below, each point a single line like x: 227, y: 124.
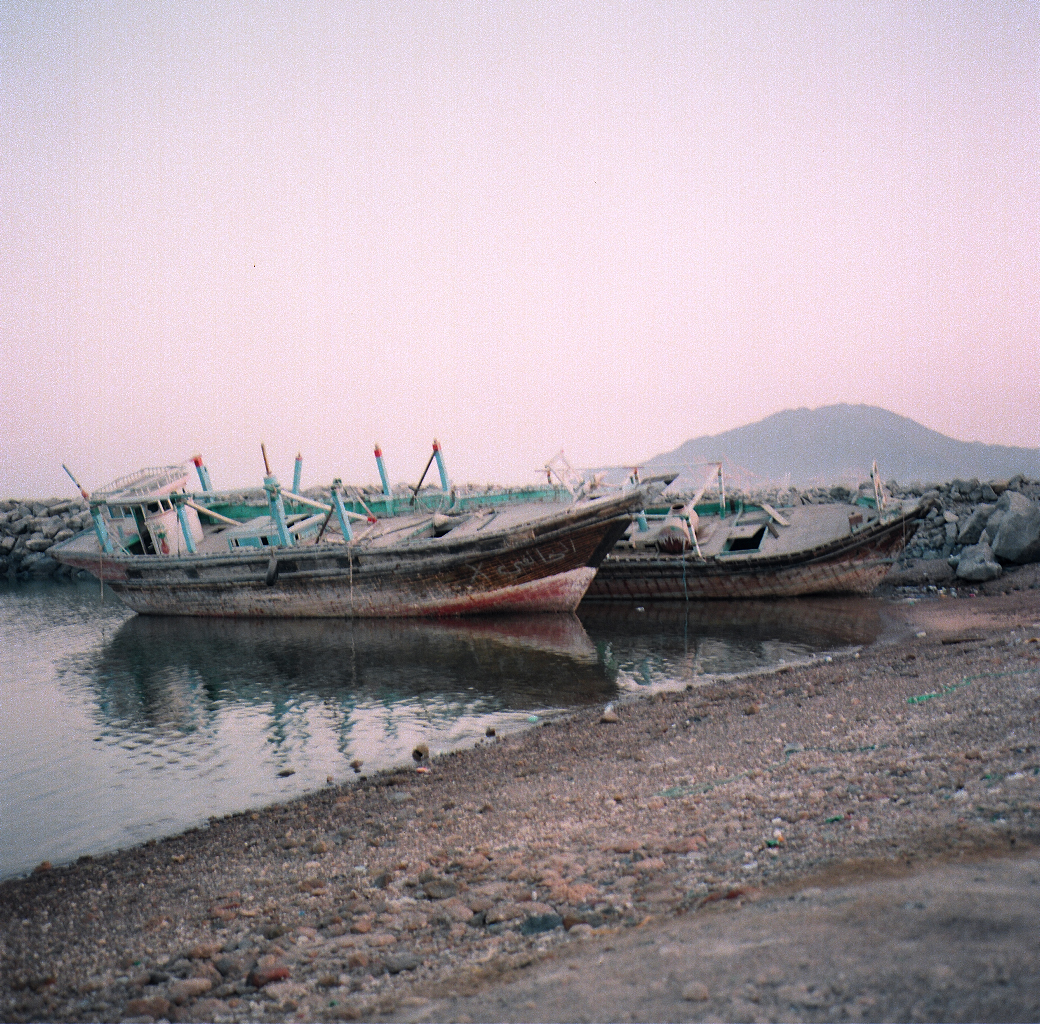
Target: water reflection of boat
x: 674, y: 642
x: 817, y: 622
x: 152, y: 666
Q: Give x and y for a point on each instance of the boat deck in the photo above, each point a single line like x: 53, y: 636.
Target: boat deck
x: 808, y: 527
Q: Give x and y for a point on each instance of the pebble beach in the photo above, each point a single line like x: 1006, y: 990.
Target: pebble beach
x: 511, y: 880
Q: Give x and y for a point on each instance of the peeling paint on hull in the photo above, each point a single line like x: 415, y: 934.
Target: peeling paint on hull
x: 849, y: 565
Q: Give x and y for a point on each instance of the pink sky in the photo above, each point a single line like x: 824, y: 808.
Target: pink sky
x: 515, y: 227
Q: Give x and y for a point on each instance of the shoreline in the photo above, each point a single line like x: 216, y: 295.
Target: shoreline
x: 383, y: 898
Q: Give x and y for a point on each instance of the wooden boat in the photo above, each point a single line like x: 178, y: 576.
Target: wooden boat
x: 726, y: 552
x: 166, y: 551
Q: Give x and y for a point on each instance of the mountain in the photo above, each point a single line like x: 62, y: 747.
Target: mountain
x: 837, y: 443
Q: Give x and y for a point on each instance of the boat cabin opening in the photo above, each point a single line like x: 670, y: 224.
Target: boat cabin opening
x: 744, y: 538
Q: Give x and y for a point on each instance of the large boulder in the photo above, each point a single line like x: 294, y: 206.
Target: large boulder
x: 1017, y: 538
x: 977, y: 564
x: 972, y: 527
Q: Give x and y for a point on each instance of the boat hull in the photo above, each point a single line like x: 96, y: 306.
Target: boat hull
x: 854, y: 564
x: 544, y: 568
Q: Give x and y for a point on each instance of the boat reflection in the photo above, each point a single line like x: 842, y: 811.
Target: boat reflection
x: 163, y: 671
x: 666, y: 642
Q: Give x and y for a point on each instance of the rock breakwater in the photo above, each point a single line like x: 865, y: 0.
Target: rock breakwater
x: 28, y: 529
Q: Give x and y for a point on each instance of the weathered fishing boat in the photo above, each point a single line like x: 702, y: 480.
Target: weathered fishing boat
x: 167, y: 551
x: 724, y: 552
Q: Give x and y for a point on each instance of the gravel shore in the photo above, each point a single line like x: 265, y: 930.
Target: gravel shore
x: 533, y: 877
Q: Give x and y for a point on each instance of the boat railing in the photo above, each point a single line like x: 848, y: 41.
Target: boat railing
x: 137, y: 486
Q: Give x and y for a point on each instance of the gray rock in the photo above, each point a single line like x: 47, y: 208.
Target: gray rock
x: 7, y: 545
x: 38, y: 542
x: 397, y: 962
x: 440, y: 889
x: 535, y: 924
x: 52, y: 526
x: 1017, y: 539
x: 977, y: 564
x: 973, y: 526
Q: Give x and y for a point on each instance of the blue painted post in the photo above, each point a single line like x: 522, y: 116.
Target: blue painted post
x: 203, y: 473
x: 99, y: 527
x: 182, y: 518
x: 274, y: 499
x: 297, y: 473
x: 382, y: 469
x: 445, y: 485
x: 388, y: 504
x: 341, y: 512
x: 642, y: 524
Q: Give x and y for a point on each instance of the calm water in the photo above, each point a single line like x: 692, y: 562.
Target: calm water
x: 115, y: 728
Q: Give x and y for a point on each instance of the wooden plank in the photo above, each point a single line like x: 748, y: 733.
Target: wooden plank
x: 775, y: 515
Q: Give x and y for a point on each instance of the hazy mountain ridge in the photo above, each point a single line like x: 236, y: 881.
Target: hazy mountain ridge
x: 837, y: 443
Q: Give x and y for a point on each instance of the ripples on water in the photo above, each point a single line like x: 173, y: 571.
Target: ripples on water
x: 116, y: 728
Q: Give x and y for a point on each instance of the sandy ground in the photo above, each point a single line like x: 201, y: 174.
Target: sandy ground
x: 853, y: 839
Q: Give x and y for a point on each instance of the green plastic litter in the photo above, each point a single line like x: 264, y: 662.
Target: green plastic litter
x: 836, y: 818
x: 922, y: 697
